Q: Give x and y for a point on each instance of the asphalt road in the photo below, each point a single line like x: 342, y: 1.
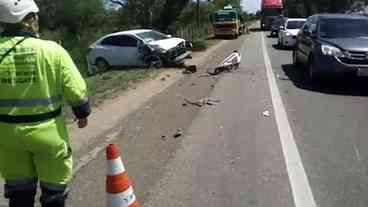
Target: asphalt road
x: 329, y: 125
x: 309, y: 152
x: 234, y: 156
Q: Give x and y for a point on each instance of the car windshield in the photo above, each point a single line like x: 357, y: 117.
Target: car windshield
x: 150, y: 36
x: 295, y: 24
x: 225, y: 16
x: 343, y: 28
x: 277, y: 21
x: 271, y: 12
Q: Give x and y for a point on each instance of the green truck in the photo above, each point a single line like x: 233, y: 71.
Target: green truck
x: 228, y: 22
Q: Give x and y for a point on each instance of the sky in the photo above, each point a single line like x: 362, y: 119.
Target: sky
x: 251, y: 6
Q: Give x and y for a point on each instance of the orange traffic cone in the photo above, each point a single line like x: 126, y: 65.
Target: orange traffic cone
x: 118, y: 186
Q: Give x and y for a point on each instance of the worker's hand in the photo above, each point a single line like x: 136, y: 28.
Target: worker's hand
x: 82, y: 123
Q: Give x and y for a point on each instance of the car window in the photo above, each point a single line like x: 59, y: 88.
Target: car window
x: 151, y: 36
x: 294, y: 24
x: 126, y: 41
x: 121, y: 41
x: 307, y: 24
x: 343, y: 28
x: 313, y: 25
x: 112, y: 41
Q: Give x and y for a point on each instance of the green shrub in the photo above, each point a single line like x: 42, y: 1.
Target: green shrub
x: 199, y: 45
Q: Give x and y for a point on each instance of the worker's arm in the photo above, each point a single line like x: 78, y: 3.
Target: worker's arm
x: 75, y: 89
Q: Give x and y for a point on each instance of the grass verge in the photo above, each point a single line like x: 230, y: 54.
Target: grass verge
x: 105, y: 86
x: 203, y: 44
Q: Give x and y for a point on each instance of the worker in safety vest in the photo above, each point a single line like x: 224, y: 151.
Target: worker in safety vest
x: 36, y: 77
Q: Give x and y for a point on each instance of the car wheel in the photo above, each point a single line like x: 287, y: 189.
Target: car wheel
x: 102, y: 65
x: 153, y: 61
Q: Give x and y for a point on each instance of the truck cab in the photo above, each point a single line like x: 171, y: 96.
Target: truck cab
x: 271, y: 10
x: 228, y: 22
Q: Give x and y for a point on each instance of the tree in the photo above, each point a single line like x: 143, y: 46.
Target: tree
x: 81, y: 14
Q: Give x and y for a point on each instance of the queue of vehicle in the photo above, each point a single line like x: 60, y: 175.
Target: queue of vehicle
x: 326, y: 45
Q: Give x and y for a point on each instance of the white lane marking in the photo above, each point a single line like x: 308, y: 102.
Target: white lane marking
x: 357, y: 153
x: 302, y: 193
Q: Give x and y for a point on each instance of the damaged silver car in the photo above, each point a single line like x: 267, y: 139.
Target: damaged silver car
x: 136, y: 48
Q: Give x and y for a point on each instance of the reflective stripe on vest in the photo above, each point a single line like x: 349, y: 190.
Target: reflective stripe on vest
x: 30, y: 118
x: 30, y: 102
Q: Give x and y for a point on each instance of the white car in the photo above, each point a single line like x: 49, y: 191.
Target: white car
x: 135, y: 48
x: 289, y: 31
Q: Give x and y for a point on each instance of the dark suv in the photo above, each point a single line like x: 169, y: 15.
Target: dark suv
x: 333, y: 44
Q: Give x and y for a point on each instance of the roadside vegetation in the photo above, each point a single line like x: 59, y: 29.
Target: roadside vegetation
x: 75, y: 24
x: 305, y: 8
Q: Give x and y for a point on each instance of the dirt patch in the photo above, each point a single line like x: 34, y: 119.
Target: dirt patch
x: 111, y: 111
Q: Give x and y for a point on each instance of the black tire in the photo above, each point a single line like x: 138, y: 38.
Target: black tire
x: 153, y: 61
x: 102, y: 65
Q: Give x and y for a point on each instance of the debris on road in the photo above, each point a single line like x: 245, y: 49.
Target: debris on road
x: 193, y: 103
x: 229, y: 64
x: 163, y: 138
x: 282, y: 77
x: 204, y: 75
x: 266, y: 113
x: 203, y: 102
x: 193, y: 84
x: 178, y: 133
x: 168, y: 75
x: 163, y: 79
x: 190, y: 69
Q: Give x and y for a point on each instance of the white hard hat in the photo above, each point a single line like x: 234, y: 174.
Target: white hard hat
x: 14, y: 11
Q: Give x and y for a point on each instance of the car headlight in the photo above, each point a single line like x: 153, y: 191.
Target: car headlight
x: 331, y: 51
x: 288, y: 34
x: 159, y: 49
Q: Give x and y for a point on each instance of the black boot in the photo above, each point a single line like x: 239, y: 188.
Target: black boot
x: 53, y: 198
x: 21, y: 198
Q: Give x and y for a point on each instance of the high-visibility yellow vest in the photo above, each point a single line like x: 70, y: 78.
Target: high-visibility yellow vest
x: 36, y: 77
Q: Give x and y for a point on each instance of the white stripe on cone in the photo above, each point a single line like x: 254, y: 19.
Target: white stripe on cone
x: 115, y: 167
x: 124, y: 199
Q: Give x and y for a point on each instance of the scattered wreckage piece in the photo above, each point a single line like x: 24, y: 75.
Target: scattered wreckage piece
x: 157, y: 59
x: 193, y: 103
x: 203, y: 102
x: 266, y: 113
x: 178, y: 133
x: 230, y: 63
x: 190, y: 69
